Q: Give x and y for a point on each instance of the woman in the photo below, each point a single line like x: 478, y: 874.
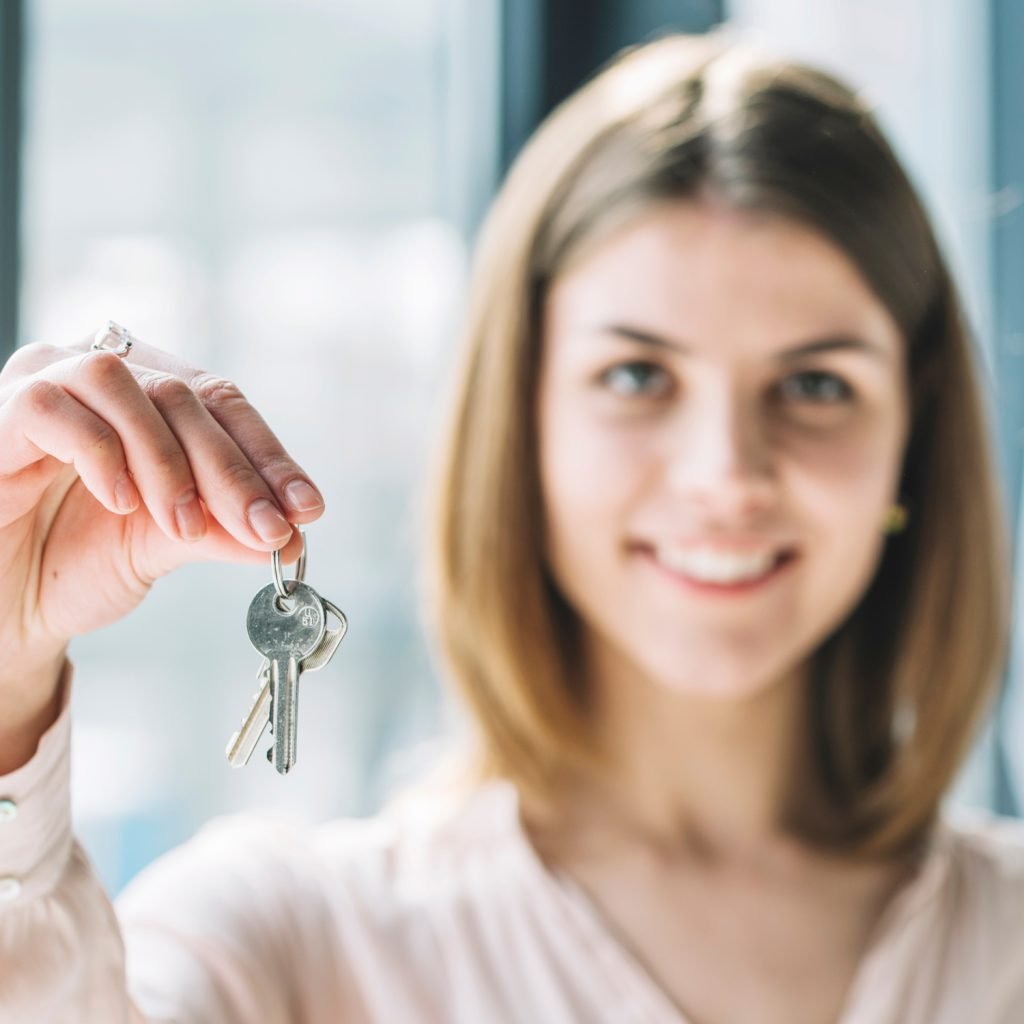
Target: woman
x: 717, y: 568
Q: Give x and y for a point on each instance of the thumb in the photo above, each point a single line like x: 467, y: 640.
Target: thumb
x: 159, y: 554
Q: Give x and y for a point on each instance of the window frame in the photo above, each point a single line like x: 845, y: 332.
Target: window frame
x: 12, y: 43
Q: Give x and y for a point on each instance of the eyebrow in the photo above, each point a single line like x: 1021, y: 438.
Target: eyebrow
x: 832, y: 344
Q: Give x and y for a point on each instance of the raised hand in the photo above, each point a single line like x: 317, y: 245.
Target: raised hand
x: 115, y: 471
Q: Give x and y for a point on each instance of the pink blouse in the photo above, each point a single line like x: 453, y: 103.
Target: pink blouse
x: 417, y: 917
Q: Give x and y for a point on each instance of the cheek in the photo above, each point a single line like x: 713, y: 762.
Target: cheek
x: 844, y: 486
x: 839, y: 496
x: 591, y: 473
x: 592, y: 478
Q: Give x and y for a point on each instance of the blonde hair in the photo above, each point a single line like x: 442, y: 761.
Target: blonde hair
x: 686, y: 118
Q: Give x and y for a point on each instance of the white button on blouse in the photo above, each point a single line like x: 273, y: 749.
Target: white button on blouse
x: 10, y: 889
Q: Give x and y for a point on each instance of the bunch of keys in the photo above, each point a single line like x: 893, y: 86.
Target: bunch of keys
x: 288, y: 625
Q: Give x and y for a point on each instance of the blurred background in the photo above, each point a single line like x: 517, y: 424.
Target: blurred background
x: 287, y: 193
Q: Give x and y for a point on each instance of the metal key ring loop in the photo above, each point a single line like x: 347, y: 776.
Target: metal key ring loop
x: 284, y: 591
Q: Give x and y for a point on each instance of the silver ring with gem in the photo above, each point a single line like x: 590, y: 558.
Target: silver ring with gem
x: 113, y: 338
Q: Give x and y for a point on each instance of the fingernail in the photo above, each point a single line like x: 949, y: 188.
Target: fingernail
x: 190, y: 519
x: 126, y: 494
x: 269, y: 524
x: 303, y: 497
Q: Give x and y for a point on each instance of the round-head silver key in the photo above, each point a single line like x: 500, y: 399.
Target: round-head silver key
x: 286, y: 630
x: 243, y: 742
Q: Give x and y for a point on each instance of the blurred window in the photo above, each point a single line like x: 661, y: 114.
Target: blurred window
x: 278, y: 192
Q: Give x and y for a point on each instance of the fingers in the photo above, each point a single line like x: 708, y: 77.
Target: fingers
x: 187, y: 447
x: 42, y: 419
x: 27, y: 360
x: 160, y: 555
x: 243, y: 490
x: 292, y: 489
x: 160, y: 468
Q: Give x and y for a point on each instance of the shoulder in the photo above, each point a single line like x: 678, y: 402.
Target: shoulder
x: 417, y: 853
x: 366, y: 911
x: 972, y: 945
x: 426, y: 850
x: 987, y: 852
x: 983, y: 900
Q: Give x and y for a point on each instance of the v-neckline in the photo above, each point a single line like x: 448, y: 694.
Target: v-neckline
x: 644, y: 991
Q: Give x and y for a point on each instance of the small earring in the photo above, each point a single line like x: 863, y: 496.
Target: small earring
x: 895, y: 519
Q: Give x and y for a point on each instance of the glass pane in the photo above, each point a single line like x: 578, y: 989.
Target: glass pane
x: 265, y: 188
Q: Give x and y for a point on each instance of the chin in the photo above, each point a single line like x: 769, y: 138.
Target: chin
x: 717, y: 676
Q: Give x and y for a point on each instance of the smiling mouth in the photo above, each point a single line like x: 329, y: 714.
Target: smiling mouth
x: 710, y: 573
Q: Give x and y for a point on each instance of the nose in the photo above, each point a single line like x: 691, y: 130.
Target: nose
x: 721, y: 459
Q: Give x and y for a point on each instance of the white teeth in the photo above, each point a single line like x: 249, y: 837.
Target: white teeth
x: 715, y: 566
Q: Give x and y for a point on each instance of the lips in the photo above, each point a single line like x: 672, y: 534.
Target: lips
x: 782, y: 550
x: 782, y: 560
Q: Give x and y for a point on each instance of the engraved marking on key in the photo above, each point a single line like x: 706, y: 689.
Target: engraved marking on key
x: 332, y: 638
x: 285, y: 630
x: 243, y: 743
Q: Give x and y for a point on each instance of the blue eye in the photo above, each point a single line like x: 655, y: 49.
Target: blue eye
x: 637, y: 378
x: 816, y: 387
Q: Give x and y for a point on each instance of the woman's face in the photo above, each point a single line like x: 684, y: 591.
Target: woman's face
x: 718, y: 390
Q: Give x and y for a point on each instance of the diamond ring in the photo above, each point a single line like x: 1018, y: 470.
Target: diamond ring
x: 113, y: 338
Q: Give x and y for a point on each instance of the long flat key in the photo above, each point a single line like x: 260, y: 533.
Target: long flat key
x: 286, y: 630
x: 243, y: 743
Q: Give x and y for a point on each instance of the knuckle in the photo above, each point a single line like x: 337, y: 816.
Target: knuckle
x: 100, y: 436
x: 217, y: 391
x: 168, y: 392
x: 28, y: 358
x: 103, y: 369
x: 171, y: 462
x: 43, y: 352
x: 274, y: 464
x: 236, y: 475
x: 43, y: 397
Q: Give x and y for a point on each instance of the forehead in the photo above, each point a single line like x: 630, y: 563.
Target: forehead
x: 720, y: 278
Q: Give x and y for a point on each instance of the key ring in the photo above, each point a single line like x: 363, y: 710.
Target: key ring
x: 283, y: 591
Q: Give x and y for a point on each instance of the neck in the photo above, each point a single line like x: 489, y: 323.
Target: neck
x: 693, y: 775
